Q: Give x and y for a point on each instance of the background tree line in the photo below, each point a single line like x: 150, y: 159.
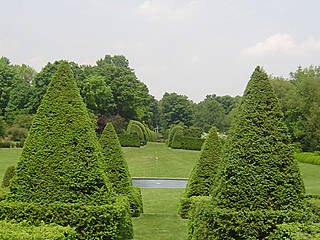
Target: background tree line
x: 113, y: 93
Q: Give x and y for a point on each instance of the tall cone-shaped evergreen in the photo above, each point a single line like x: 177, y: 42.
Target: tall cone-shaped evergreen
x: 259, y: 168
x: 61, y: 157
x: 202, y: 176
x: 116, y: 168
x: 113, y: 162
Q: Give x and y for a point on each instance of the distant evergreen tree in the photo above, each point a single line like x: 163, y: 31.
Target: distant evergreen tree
x: 116, y: 168
x: 203, y: 174
x: 61, y: 157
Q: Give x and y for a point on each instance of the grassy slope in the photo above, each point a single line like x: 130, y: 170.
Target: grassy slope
x: 160, y: 220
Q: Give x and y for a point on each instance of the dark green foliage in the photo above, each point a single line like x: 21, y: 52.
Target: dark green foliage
x: 110, y: 221
x: 175, y: 109
x: 184, y: 205
x: 260, y: 171
x: 137, y: 127
x: 129, y: 139
x: 61, y: 157
x: 8, y: 175
x: 193, y: 132
x: 2, y: 127
x: 6, y: 144
x: 116, y: 167
x: 172, y: 132
x: 258, y: 184
x: 24, y: 231
x: 206, y: 222
x: 189, y: 143
x: 203, y: 175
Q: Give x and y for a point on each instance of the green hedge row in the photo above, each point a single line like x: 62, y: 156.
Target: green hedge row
x: 308, y: 157
x: 129, y: 139
x: 189, y: 143
x: 211, y: 223
x: 11, y: 144
x: 110, y: 221
x: 296, y: 231
x: 24, y: 231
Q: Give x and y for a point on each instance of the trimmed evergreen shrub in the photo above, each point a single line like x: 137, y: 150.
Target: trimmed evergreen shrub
x: 61, y: 164
x: 188, y: 143
x: 135, y: 128
x: 259, y: 184
x: 207, y: 222
x: 129, y: 139
x: 116, y: 168
x: 203, y: 174
x: 294, y: 231
x: 24, y: 231
x: 7, y: 144
x: 172, y: 132
x: 193, y: 132
x: 308, y: 157
x: 8, y: 175
x: 108, y: 221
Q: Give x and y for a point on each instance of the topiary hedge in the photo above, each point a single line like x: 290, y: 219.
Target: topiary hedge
x: 258, y: 184
x: 208, y: 222
x: 116, y: 168
x: 8, y: 175
x: 133, y: 127
x: 24, y: 231
x: 202, y: 177
x: 172, y: 132
x: 108, y: 221
x: 294, y: 231
x: 129, y: 139
x: 59, y: 177
x: 308, y: 157
x: 189, y: 143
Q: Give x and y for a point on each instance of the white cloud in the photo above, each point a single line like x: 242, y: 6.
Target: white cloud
x: 166, y: 10
x: 282, y: 43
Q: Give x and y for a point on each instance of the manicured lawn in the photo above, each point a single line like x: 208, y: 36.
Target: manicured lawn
x: 157, y: 160
x: 8, y: 157
x: 160, y: 220
x: 311, y: 177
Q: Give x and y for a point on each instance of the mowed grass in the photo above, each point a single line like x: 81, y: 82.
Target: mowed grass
x: 160, y: 220
x: 8, y: 157
x: 157, y: 160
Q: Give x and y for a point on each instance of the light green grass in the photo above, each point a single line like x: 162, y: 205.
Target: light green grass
x: 8, y: 157
x: 160, y: 220
x: 311, y: 177
x: 157, y: 160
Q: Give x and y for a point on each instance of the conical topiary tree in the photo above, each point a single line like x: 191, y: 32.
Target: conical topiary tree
x: 117, y: 170
x: 203, y: 174
x: 260, y: 171
x: 61, y: 157
x: 259, y: 184
x: 59, y: 177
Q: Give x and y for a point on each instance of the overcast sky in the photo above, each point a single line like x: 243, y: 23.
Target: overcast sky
x: 192, y: 47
